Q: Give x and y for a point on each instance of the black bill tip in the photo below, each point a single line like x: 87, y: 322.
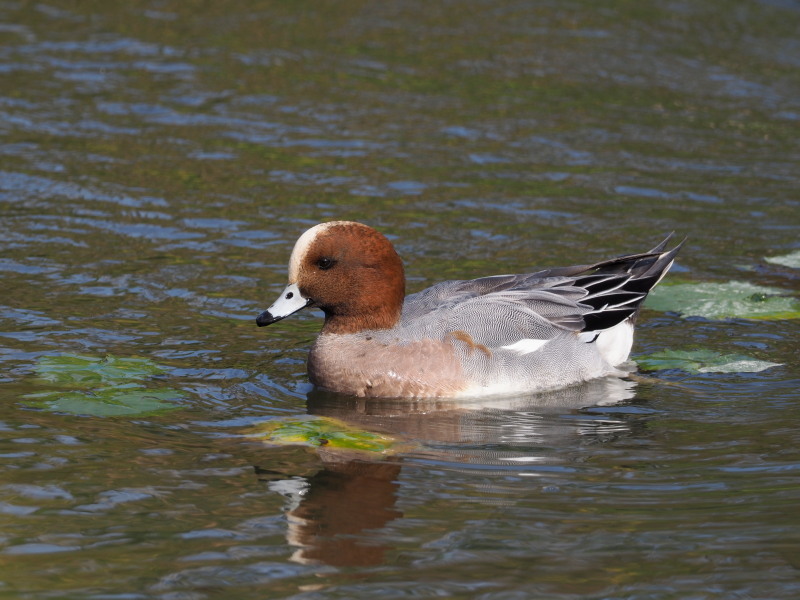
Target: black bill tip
x: 266, y: 318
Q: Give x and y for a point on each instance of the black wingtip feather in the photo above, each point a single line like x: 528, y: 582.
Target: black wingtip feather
x: 628, y: 279
x: 660, y: 248
x: 606, y: 319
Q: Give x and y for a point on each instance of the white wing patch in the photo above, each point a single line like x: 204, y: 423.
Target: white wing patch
x: 526, y: 346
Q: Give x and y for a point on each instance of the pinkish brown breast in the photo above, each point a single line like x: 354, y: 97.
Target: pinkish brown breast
x: 361, y: 365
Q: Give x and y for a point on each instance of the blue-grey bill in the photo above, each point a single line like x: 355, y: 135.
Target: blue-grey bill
x: 288, y: 303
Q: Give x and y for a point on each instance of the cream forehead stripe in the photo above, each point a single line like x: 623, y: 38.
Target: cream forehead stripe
x: 302, y: 245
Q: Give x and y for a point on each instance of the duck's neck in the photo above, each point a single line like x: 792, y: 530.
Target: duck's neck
x: 384, y: 317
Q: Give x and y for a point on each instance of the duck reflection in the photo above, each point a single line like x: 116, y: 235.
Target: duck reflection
x: 332, y: 512
x: 515, y: 421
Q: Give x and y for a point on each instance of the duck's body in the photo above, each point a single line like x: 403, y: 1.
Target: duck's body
x: 505, y: 334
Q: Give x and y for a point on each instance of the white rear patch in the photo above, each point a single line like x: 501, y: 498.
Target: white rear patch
x: 614, y: 344
x: 526, y: 346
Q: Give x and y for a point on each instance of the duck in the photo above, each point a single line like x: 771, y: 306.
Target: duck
x: 497, y: 335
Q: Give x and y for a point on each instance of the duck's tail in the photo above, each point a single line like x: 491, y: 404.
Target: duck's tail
x: 617, y: 287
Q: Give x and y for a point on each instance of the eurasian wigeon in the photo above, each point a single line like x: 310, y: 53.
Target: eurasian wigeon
x: 497, y: 335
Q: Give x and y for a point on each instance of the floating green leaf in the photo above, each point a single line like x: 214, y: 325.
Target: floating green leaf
x: 100, y: 387
x: 322, y: 431
x: 85, y: 371
x: 725, y: 300
x: 702, y: 361
x: 106, y: 402
x: 791, y: 260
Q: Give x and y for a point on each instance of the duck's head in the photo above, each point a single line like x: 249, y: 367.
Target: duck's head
x: 348, y: 270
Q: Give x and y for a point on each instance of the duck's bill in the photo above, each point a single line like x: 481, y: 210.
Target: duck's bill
x: 288, y: 303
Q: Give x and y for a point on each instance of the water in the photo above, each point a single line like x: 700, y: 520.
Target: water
x: 159, y: 160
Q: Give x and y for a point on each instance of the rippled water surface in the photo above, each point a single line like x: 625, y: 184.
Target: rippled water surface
x: 158, y: 160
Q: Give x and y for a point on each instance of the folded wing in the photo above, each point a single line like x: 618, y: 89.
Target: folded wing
x: 502, y: 309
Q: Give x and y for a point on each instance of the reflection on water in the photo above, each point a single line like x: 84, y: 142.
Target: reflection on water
x: 331, y: 513
x: 334, y: 513
x: 457, y: 424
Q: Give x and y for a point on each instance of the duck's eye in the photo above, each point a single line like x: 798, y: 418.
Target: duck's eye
x: 325, y: 263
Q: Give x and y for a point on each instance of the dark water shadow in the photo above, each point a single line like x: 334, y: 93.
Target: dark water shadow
x: 334, y: 512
